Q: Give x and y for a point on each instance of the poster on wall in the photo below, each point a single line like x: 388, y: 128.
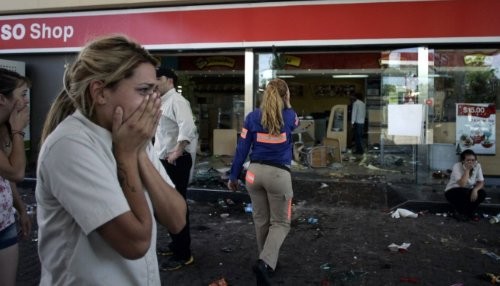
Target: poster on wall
x: 476, y: 128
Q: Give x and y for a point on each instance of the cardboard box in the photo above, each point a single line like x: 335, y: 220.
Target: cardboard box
x: 320, y: 156
x: 334, y: 145
x: 225, y: 141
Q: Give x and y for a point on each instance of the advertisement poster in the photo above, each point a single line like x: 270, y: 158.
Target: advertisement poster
x: 476, y: 128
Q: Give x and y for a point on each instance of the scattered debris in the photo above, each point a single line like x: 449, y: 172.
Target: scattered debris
x: 492, y: 255
x: 495, y: 219
x: 333, y: 277
x: 492, y: 278
x: 401, y: 248
x: 219, y: 282
x: 371, y: 167
x: 403, y: 213
x: 248, y: 208
x: 222, y: 203
x: 226, y: 249
x: 439, y: 175
x: 312, y: 220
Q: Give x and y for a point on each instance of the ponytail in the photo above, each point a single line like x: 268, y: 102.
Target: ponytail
x: 272, y: 107
x: 61, y: 108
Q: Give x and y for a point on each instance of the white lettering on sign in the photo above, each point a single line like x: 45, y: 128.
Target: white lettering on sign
x: 8, y: 32
x: 37, y: 31
x: 43, y: 31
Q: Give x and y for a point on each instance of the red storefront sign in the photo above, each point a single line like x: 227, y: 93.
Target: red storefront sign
x: 257, y: 25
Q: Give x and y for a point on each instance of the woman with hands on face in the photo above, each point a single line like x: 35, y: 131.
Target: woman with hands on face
x: 100, y: 184
x: 465, y: 189
x: 14, y: 117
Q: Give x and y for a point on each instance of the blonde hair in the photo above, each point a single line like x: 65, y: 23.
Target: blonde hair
x: 272, y: 106
x: 108, y: 59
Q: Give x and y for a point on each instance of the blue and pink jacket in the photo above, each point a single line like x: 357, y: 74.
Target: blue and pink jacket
x: 265, y: 147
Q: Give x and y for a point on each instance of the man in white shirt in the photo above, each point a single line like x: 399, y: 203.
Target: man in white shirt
x: 176, y: 140
x: 358, y: 121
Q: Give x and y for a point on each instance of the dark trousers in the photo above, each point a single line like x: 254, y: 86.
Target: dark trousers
x: 179, y: 173
x: 459, y: 198
x: 358, y: 136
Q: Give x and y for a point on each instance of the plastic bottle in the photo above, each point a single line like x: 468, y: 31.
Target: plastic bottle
x: 495, y: 219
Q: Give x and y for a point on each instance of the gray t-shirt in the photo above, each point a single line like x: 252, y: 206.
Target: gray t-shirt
x: 77, y: 192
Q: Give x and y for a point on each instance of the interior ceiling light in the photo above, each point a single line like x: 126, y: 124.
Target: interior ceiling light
x: 349, y: 75
x: 286, y: 76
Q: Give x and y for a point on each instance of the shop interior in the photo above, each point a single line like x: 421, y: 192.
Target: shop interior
x: 321, y: 84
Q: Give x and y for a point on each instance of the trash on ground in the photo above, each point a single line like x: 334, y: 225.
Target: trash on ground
x: 226, y: 249
x: 371, y: 167
x: 323, y: 185
x: 224, y: 215
x: 222, y: 203
x: 401, y: 248
x: 223, y: 170
x: 495, y: 219
x: 326, y: 266
x: 439, y: 175
x: 332, y: 277
x: 312, y: 220
x: 346, y: 277
x: 248, y: 208
x: 492, y: 255
x: 403, y: 213
x: 219, y: 282
x: 492, y: 278
x: 336, y: 166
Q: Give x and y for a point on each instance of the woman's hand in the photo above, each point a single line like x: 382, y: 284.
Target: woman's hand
x: 25, y: 222
x: 136, y: 132
x: 468, y: 166
x: 232, y: 185
x: 19, y: 116
x: 473, y: 195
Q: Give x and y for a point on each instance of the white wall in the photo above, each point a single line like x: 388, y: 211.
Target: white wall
x: 9, y: 7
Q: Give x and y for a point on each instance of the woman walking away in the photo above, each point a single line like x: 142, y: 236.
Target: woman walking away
x: 267, y: 132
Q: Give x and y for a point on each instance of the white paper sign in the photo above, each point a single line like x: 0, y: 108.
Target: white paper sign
x: 405, y: 119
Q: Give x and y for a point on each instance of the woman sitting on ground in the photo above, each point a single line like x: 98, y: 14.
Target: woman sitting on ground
x: 465, y: 188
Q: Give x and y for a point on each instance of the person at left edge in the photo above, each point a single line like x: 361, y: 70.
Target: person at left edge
x: 14, y: 117
x: 99, y: 181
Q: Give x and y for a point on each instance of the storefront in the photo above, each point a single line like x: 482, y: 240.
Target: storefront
x: 423, y: 67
